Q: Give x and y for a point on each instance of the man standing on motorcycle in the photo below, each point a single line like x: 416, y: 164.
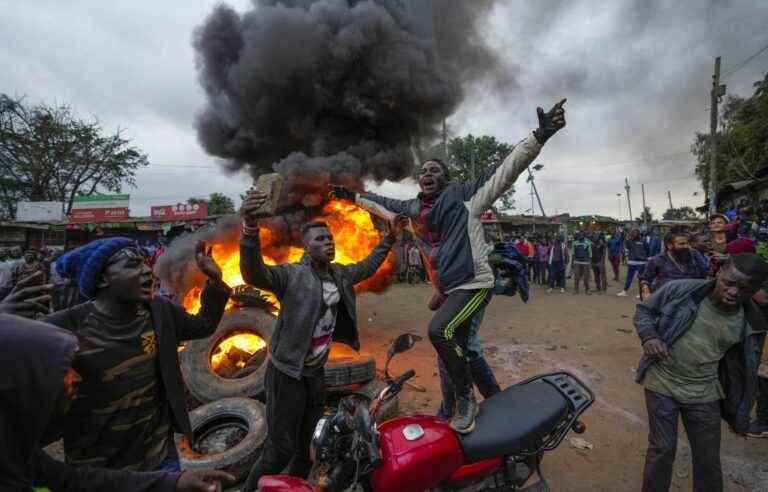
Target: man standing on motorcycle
x: 448, y: 213
x: 318, y: 305
x: 701, y: 341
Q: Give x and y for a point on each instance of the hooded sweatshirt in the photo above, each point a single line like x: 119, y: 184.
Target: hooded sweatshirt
x: 35, y: 358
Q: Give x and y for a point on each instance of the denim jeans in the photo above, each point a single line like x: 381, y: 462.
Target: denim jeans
x: 557, y: 275
x: 631, y: 270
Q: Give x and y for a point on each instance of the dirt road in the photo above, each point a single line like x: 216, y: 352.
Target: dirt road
x: 593, y: 337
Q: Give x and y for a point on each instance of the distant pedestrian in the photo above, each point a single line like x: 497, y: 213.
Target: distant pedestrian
x: 415, y: 270
x: 542, y: 261
x: 598, y: 263
x: 614, y: 254
x: 558, y: 259
x: 636, y: 251
x: 581, y: 258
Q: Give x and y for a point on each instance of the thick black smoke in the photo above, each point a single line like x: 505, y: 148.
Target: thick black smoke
x: 335, y: 90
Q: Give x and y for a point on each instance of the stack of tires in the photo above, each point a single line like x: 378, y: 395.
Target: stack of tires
x: 229, y: 426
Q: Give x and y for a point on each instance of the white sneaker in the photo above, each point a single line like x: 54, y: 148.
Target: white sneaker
x: 623, y: 293
x: 549, y: 291
x: 562, y: 291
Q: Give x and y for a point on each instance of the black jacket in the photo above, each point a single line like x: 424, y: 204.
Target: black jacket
x: 300, y: 291
x: 35, y: 358
x: 671, y: 310
x: 172, y: 325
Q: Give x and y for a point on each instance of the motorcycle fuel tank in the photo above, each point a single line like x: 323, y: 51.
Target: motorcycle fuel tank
x: 418, y: 453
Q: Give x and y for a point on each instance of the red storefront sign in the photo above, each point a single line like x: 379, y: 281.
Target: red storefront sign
x: 86, y: 215
x: 180, y: 211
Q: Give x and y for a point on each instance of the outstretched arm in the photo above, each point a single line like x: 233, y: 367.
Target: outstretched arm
x: 252, y: 267
x: 484, y: 191
x: 386, y: 208
x: 367, y: 267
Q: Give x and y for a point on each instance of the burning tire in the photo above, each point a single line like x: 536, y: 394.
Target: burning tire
x: 231, y: 362
x: 227, y: 435
x: 345, y: 366
x: 366, y: 392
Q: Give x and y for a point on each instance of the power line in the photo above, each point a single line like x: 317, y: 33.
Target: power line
x: 744, y: 63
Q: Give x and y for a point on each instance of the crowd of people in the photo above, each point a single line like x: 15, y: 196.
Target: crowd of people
x: 103, y: 372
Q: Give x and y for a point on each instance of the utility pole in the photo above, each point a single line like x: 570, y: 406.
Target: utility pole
x: 533, y: 210
x: 645, y: 216
x: 445, y: 143
x: 669, y: 197
x: 717, y: 91
x: 629, y: 203
x: 618, y: 195
x: 536, y: 191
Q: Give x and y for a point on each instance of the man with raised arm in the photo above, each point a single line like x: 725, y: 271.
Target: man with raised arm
x: 446, y: 219
x: 317, y: 299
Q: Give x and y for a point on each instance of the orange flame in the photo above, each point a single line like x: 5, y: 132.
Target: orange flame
x: 354, y: 236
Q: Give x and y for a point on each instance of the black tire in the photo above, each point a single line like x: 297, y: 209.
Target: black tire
x: 243, y: 413
x: 204, y: 384
x: 368, y: 392
x: 345, y: 366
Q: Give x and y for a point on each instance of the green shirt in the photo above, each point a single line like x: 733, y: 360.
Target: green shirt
x: 690, y: 374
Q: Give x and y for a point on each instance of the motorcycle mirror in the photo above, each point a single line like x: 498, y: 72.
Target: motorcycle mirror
x: 401, y: 344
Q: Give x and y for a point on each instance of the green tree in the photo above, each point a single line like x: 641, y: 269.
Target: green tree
x: 471, y: 157
x: 646, y: 216
x: 742, y: 139
x: 680, y: 213
x: 218, y: 204
x: 49, y: 154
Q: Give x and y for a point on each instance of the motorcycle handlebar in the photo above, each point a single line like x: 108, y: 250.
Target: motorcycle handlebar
x: 405, y: 377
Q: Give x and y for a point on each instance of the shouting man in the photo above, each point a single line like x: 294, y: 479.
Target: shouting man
x: 447, y: 214
x: 318, y: 305
x: 37, y: 384
x: 701, y: 342
x: 131, y: 397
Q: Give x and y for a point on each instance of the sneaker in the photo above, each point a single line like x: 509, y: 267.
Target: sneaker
x: 549, y: 291
x: 758, y: 429
x: 562, y: 291
x: 466, y: 411
x: 623, y: 293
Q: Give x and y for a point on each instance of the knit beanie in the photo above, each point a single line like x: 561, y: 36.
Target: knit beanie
x: 86, y: 263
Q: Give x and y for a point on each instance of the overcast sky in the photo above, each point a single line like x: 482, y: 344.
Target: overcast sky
x: 637, y: 77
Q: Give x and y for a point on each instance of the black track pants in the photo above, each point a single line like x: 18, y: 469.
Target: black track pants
x: 449, y: 331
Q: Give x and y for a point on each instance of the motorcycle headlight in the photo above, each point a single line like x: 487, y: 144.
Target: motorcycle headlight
x: 319, y: 438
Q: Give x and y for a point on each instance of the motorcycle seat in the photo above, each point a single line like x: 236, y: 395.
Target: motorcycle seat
x: 516, y: 419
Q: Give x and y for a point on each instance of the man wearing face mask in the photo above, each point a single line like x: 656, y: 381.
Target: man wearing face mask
x: 446, y: 217
x: 677, y: 262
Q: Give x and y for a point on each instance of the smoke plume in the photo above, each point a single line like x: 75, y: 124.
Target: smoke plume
x: 335, y: 90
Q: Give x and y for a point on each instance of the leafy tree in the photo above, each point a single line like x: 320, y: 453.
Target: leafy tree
x: 218, y: 204
x: 680, y: 213
x: 49, y: 154
x: 742, y: 141
x: 646, y: 216
x: 471, y: 157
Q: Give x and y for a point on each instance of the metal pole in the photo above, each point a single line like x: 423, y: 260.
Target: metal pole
x: 533, y: 210
x: 536, y: 190
x: 713, y: 138
x: 618, y: 195
x: 645, y: 217
x: 669, y: 196
x: 629, y: 204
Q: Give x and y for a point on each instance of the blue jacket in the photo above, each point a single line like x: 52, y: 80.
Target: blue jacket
x: 459, y: 256
x: 614, y: 246
x: 670, y: 311
x: 512, y: 262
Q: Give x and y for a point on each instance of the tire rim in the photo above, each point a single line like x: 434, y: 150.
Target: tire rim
x: 237, y: 353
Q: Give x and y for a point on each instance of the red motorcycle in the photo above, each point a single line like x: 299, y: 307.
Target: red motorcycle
x: 415, y: 453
